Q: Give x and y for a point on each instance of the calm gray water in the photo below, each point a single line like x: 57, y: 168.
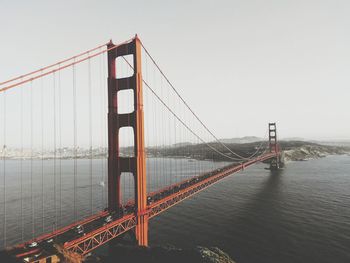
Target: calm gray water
x: 40, y: 194
x: 301, y: 214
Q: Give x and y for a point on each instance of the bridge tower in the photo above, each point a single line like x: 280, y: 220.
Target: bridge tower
x: 116, y: 163
x: 275, y: 162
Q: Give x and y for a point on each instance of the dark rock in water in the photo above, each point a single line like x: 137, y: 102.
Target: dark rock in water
x: 214, y: 255
x: 163, y: 254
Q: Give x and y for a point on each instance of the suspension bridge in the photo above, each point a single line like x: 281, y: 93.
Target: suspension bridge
x: 96, y: 145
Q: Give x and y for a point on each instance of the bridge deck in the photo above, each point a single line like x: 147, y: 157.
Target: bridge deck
x: 98, y: 231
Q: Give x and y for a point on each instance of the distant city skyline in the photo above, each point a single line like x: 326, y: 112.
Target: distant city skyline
x: 239, y: 64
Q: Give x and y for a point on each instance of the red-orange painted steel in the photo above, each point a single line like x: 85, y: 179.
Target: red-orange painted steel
x: 140, y: 153
x: 90, y: 241
x: 64, y: 229
x: 274, y: 146
x: 28, y: 253
x: 117, y: 164
x: 137, y: 165
x: 181, y: 195
x: 104, y: 234
x: 100, y: 236
x: 273, y: 137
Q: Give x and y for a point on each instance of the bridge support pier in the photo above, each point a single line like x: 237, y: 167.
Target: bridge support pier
x: 275, y: 163
x: 137, y: 163
x: 141, y: 231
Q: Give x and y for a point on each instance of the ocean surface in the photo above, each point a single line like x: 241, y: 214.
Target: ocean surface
x: 41, y: 196
x: 299, y: 214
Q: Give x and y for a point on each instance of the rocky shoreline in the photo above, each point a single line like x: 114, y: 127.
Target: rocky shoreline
x: 303, y: 151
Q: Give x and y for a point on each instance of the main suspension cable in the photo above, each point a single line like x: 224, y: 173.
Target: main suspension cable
x: 186, y: 104
x: 59, y: 67
x: 52, y: 65
x: 184, y: 124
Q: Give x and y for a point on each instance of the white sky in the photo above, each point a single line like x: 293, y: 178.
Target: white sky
x: 240, y: 64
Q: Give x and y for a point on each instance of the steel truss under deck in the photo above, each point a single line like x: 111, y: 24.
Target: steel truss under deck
x: 103, y: 235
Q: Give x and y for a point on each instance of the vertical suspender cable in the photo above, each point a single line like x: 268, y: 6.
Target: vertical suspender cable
x: 161, y: 121
x: 31, y: 158
x: 54, y: 151
x: 104, y: 133
x: 181, y: 140
x: 75, y: 143
x: 146, y: 126
x: 90, y: 131
x: 21, y: 169
x: 169, y: 146
x: 175, y: 136
x: 167, y: 171
x: 156, y: 181
x: 196, y: 152
x: 166, y: 168
x: 60, y: 143
x: 4, y: 169
x: 102, y: 130
x: 185, y: 141
x: 42, y: 156
x: 147, y: 111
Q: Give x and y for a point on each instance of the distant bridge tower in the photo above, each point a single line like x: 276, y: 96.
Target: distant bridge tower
x: 116, y: 163
x: 275, y: 163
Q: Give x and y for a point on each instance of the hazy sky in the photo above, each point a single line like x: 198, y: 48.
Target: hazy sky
x: 240, y: 64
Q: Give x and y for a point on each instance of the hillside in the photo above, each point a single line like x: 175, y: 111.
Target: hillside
x: 294, y: 150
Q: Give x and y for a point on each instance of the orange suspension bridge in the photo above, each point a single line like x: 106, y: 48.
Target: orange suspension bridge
x: 96, y: 145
